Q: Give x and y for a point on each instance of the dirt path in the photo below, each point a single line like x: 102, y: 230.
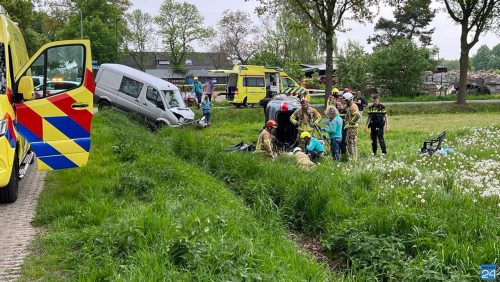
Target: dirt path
x: 16, y: 231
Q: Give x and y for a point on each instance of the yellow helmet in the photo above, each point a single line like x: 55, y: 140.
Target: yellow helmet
x: 335, y: 90
x: 305, y: 134
x: 195, y: 78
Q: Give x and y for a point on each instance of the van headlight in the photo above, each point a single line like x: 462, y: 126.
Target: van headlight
x: 3, y: 127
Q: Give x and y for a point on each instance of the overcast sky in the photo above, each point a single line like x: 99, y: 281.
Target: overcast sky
x: 446, y: 35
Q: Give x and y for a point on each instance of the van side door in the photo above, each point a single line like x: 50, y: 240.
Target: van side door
x: 128, y: 93
x: 58, y: 126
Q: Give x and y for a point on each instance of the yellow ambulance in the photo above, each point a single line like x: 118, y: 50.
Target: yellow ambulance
x: 248, y: 84
x: 55, y: 125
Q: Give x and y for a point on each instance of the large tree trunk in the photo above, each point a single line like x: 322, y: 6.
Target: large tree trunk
x: 464, y: 67
x: 329, y: 65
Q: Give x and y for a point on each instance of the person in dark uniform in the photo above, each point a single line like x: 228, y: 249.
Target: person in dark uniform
x: 343, y: 142
x: 378, y: 123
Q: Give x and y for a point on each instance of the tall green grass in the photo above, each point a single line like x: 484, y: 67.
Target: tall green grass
x: 137, y: 213
x: 379, y: 232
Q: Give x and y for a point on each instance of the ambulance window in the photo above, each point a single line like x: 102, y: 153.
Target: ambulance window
x: 37, y: 73
x: 3, y: 68
x: 131, y: 87
x: 65, y: 68
x: 254, y: 82
x: 233, y: 80
x: 287, y: 82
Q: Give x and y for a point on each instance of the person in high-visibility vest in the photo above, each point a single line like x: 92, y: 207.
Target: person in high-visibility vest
x: 306, y: 118
x: 352, y: 125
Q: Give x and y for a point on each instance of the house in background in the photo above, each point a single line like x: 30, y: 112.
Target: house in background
x: 197, y: 64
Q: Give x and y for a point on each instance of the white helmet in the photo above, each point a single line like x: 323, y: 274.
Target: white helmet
x: 347, y: 96
x: 297, y: 150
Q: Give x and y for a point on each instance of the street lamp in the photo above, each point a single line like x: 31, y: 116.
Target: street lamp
x: 81, y: 17
x: 116, y: 39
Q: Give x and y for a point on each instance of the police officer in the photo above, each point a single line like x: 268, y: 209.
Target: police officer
x: 378, y: 123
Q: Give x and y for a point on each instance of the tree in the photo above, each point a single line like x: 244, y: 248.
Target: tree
x: 102, y: 24
x: 236, y: 36
x: 399, y: 67
x: 474, y: 17
x: 180, y: 24
x: 484, y: 58
x: 141, y: 36
x: 496, y: 57
x: 326, y: 16
x: 353, y: 67
x: 291, y: 39
x: 410, y: 21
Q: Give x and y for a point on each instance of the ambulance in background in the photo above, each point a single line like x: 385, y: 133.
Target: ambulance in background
x: 56, y: 126
x: 248, y: 84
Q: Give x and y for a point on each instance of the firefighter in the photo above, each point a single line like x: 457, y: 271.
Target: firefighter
x: 302, y: 159
x: 306, y: 118
x: 333, y: 99
x: 378, y: 123
x: 352, y: 125
x: 265, y: 143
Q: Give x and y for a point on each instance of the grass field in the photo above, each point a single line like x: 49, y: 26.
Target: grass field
x: 139, y: 211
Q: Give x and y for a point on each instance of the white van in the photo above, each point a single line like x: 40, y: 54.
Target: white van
x: 156, y: 100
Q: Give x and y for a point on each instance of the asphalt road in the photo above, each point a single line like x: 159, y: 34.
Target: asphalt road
x: 16, y: 230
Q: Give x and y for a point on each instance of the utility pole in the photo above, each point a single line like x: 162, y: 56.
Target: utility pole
x: 116, y: 39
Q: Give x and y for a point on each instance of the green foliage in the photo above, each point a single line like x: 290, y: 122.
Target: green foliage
x: 411, y: 19
x: 265, y: 58
x: 450, y: 64
x: 398, y: 68
x: 353, y: 67
x: 153, y: 217
x: 102, y: 24
x: 140, y: 37
x: 180, y: 24
x: 486, y: 59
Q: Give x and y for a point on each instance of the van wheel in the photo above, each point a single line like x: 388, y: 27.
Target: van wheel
x: 160, y: 124
x: 245, y: 104
x: 103, y: 104
x: 8, y: 194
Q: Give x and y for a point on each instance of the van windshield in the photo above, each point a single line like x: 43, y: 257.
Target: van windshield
x: 173, y: 99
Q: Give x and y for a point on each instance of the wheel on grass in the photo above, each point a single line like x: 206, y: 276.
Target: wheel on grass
x: 103, y: 104
x: 9, y: 193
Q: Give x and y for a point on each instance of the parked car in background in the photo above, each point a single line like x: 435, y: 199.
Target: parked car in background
x: 157, y: 101
x: 55, y: 87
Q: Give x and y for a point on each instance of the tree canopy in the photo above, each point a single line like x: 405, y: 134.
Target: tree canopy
x: 180, y: 24
x: 140, y: 37
x: 411, y: 21
x: 474, y: 17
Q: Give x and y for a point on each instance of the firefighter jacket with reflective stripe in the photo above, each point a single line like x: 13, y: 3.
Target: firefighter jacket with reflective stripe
x: 305, y: 120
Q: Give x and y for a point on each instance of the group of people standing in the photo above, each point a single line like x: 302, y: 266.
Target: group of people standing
x: 206, y: 103
x: 340, y: 130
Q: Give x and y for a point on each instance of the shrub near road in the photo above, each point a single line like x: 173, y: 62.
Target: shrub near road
x: 406, y: 218
x: 137, y: 213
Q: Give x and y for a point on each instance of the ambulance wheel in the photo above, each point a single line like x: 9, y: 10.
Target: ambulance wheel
x: 8, y: 194
x: 245, y: 103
